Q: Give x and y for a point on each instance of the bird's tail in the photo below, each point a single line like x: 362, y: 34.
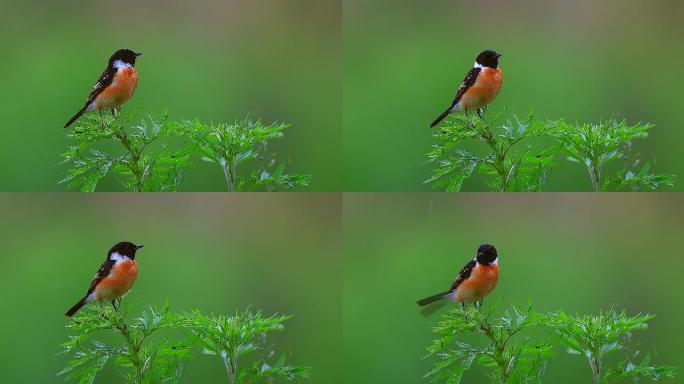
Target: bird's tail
x: 430, y: 309
x: 441, y: 117
x: 432, y: 299
x: 77, y: 306
x: 76, y: 116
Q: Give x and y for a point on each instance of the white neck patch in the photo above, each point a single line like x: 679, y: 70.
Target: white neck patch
x: 495, y: 262
x: 116, y: 256
x: 478, y: 65
x: 118, y: 64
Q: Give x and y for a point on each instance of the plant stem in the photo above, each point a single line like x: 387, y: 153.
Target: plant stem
x: 133, y: 347
x: 231, y: 379
x: 230, y: 177
x: 499, y: 348
x: 595, y: 174
x: 230, y: 362
x: 595, y: 364
x: 500, y: 159
x: 133, y: 163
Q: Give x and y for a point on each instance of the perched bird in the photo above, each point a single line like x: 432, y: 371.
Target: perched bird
x: 475, y: 281
x: 114, y: 278
x: 115, y: 86
x: 480, y: 86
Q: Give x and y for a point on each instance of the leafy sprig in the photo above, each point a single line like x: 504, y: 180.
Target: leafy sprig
x: 143, y: 361
x: 518, y: 346
x: 511, y: 162
x: 234, y: 338
x: 154, y: 153
x: 239, y: 340
x: 597, y: 336
x: 509, y: 359
x: 595, y: 145
x: 231, y: 145
x: 148, y: 159
x: 521, y: 153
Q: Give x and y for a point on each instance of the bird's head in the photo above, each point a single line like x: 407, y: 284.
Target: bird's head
x: 488, y: 59
x: 124, y: 249
x: 486, y: 254
x: 123, y: 57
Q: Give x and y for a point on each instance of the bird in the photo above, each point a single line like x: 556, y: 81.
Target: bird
x: 115, y: 86
x: 479, y: 87
x: 114, y: 278
x: 476, y: 280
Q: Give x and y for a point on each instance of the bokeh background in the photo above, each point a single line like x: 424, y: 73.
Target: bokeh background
x: 582, y: 60
x: 214, y: 252
x: 581, y: 253
x: 217, y: 60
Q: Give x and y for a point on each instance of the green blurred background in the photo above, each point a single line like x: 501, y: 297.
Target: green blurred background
x: 581, y: 253
x: 211, y: 59
x: 214, y: 252
x: 582, y: 60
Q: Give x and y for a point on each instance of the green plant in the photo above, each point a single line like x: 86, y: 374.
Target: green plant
x: 521, y: 153
x: 143, y: 361
x: 596, y: 337
x: 508, y: 360
x: 518, y: 346
x: 149, y: 160
x: 144, y: 358
x: 511, y: 162
x: 234, y: 338
x: 595, y: 145
x: 230, y: 145
x: 155, y: 153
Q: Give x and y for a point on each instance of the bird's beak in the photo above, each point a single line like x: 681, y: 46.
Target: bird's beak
x: 138, y: 246
x: 498, y: 55
x: 138, y: 54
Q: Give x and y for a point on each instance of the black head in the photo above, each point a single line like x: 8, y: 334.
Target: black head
x: 486, y: 254
x: 124, y: 55
x: 488, y: 58
x: 124, y: 248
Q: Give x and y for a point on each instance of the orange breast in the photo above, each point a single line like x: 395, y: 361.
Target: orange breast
x: 481, y: 282
x: 485, y: 89
x: 119, y: 281
x: 122, y: 88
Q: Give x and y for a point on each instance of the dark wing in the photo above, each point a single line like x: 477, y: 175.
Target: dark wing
x: 468, y: 82
x: 104, y: 270
x: 463, y: 275
x: 105, y: 81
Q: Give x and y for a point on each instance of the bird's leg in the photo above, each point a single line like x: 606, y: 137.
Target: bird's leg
x: 480, y: 112
x: 115, y: 112
x: 102, y: 312
x: 465, y: 314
